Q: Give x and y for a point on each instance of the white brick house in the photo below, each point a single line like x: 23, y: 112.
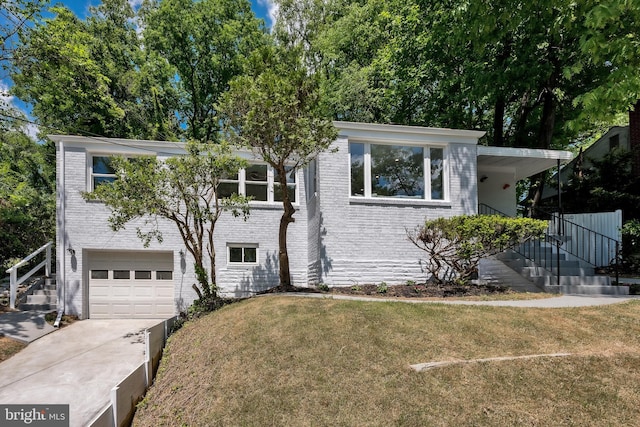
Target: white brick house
x: 353, y: 207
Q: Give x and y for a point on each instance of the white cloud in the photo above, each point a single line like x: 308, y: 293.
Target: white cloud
x: 6, y: 100
x: 272, y: 10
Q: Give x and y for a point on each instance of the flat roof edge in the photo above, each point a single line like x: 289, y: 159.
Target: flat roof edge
x: 420, y: 130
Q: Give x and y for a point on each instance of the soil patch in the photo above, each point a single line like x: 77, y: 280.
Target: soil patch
x: 422, y: 290
x: 412, y: 290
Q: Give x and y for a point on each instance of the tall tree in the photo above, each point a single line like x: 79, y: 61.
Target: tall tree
x: 274, y: 111
x: 611, y: 39
x: 27, y: 199
x: 206, y: 43
x: 93, y: 76
x: 15, y: 16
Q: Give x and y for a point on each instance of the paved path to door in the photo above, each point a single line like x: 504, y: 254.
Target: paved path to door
x: 76, y: 365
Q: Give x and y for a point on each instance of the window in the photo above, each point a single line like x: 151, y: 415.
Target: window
x: 260, y: 182
x: 164, y: 275
x: 614, y: 142
x: 291, y: 185
x: 101, y: 171
x: 397, y: 171
x: 356, y: 151
x: 121, y: 274
x: 256, y: 182
x: 228, y: 186
x: 100, y: 274
x: 142, y: 275
x: 243, y: 254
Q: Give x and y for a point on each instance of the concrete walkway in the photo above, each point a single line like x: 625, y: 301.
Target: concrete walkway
x: 562, y: 301
x: 76, y: 365
x: 24, y: 326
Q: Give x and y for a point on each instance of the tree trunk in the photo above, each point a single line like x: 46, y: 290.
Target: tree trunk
x: 545, y: 134
x: 498, y: 122
x: 285, y: 220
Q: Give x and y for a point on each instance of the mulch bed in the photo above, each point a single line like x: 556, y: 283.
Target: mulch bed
x: 405, y: 291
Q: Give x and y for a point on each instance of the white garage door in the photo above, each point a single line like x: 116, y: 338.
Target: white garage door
x: 131, y: 285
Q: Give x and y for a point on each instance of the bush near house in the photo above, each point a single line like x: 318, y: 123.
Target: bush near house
x: 455, y: 245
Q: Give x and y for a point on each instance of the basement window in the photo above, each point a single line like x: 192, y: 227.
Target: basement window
x: 239, y: 254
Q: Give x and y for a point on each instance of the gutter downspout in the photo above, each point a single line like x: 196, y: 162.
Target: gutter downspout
x: 63, y: 235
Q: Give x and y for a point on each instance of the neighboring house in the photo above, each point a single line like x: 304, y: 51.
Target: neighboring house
x: 354, y: 206
x: 625, y: 138
x: 616, y: 138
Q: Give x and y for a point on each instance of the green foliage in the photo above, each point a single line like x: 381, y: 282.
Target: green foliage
x: 455, y: 245
x: 382, y: 288
x: 16, y: 15
x: 323, y: 287
x: 608, y: 185
x: 610, y: 37
x: 94, y: 75
x: 206, y: 44
x: 274, y: 110
x: 182, y: 190
x: 27, y: 195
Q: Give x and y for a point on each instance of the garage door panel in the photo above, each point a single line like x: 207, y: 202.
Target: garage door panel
x: 130, y: 298
x: 164, y: 292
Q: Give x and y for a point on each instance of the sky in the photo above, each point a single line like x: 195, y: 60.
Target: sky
x: 264, y: 9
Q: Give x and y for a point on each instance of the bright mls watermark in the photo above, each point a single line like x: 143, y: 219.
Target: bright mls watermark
x: 34, y: 415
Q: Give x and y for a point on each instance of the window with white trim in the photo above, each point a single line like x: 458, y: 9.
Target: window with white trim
x: 101, y: 171
x: 398, y: 171
x: 259, y: 181
x: 239, y: 254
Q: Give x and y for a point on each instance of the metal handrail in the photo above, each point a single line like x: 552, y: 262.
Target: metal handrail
x: 14, y: 281
x: 596, y: 249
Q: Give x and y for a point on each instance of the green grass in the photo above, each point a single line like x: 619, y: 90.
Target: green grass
x: 293, y: 361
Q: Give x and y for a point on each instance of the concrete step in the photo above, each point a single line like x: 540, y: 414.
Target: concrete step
x: 42, y: 299
x: 587, y: 289
x: 38, y: 307
x: 572, y: 281
x: 495, y: 272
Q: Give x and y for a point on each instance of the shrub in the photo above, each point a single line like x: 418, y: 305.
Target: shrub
x: 382, y: 288
x: 455, y: 245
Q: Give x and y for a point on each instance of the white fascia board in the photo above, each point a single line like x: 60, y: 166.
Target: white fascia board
x: 120, y: 145
x: 525, y: 153
x: 373, y: 132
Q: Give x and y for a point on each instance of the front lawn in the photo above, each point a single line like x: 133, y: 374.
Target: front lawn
x: 300, y: 362
x: 9, y: 347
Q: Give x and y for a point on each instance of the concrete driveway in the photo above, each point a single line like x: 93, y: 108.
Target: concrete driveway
x: 76, y: 365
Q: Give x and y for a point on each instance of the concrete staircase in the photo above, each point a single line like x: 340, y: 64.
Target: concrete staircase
x: 41, y: 297
x: 575, y: 277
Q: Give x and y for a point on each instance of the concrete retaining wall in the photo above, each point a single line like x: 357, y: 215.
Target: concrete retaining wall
x: 126, y: 394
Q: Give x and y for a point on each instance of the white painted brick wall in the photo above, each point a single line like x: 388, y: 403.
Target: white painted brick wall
x: 87, y: 229
x: 334, y: 239
x: 365, y: 241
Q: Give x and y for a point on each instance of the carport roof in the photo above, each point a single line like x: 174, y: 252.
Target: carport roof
x: 523, y: 162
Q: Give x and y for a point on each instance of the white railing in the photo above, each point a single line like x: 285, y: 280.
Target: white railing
x: 14, y: 281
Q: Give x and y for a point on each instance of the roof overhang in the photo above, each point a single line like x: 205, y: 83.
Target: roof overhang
x: 522, y: 162
x: 374, y: 132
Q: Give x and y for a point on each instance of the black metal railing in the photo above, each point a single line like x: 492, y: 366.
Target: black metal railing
x: 597, y: 250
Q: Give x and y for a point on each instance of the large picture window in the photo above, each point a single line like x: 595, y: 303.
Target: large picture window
x: 397, y: 171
